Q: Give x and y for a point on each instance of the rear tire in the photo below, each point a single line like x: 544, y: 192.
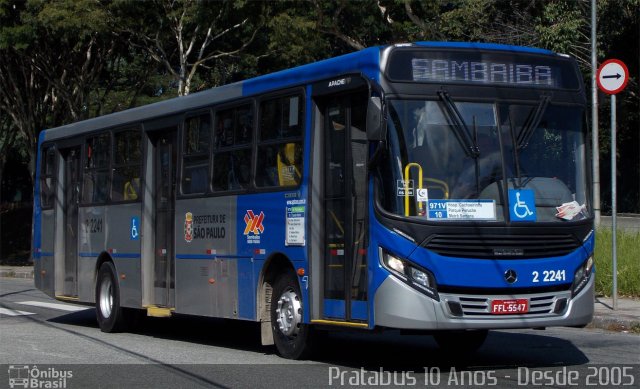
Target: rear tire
x: 461, y: 341
x: 292, y: 337
x: 111, y: 317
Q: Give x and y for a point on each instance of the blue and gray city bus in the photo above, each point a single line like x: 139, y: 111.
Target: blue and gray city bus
x: 434, y: 187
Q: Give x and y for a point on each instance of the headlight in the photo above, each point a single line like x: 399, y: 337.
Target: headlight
x: 395, y: 264
x: 417, y: 277
x: 582, y: 275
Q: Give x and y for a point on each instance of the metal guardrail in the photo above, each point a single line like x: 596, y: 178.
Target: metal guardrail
x: 628, y: 222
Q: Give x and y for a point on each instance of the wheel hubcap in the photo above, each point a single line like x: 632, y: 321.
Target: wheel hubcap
x: 289, y: 313
x: 106, y: 297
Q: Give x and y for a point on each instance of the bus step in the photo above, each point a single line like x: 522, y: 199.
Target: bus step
x: 159, y: 311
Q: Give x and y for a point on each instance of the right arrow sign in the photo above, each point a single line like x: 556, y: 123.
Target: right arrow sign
x: 612, y: 76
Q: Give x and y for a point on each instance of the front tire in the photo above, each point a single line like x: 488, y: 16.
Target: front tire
x: 111, y: 317
x: 291, y: 336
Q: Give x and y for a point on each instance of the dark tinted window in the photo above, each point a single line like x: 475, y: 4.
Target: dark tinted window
x: 195, y: 166
x: 48, y: 178
x: 232, y: 149
x: 280, y: 152
x: 96, y: 169
x: 281, y: 118
x: 232, y: 170
x: 127, y: 167
x: 234, y: 126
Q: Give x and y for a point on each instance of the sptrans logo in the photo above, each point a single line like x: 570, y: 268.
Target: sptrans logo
x: 253, y: 227
x: 24, y: 376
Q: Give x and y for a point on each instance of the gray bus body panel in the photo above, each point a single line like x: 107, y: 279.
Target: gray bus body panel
x: 206, y: 257
x: 43, y: 268
x: 152, y: 111
x: 91, y: 243
x: 125, y: 251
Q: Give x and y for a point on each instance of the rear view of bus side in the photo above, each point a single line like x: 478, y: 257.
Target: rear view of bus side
x: 436, y: 187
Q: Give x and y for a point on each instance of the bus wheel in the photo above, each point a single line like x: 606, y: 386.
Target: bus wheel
x: 465, y: 341
x: 110, y: 315
x: 291, y: 336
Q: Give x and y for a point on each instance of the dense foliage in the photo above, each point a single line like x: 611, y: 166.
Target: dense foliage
x: 67, y: 60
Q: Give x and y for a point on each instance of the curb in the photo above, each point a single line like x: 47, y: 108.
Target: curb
x: 16, y: 273
x: 617, y: 324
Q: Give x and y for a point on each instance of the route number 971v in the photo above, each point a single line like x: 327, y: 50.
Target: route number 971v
x: 549, y: 276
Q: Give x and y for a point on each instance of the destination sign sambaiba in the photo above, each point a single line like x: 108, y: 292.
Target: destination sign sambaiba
x: 444, y: 70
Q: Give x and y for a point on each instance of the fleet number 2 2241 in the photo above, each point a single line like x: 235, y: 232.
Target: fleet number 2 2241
x: 549, y: 276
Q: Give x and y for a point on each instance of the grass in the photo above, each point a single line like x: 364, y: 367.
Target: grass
x: 628, y: 261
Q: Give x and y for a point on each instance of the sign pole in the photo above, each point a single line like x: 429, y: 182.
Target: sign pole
x: 595, y: 149
x: 612, y: 77
x: 614, y: 253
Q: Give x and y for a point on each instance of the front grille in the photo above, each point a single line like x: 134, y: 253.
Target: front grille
x: 502, y: 246
x: 478, y: 306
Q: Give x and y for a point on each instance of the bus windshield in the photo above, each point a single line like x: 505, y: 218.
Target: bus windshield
x: 484, y: 161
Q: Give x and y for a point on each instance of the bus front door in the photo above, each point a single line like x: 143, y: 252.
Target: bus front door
x: 164, y: 160
x: 345, y: 196
x: 70, y: 206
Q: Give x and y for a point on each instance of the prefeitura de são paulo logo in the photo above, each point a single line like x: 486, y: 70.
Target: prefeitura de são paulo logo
x: 188, y: 227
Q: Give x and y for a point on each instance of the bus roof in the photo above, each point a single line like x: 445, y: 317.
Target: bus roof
x: 485, y: 46
x: 366, y: 61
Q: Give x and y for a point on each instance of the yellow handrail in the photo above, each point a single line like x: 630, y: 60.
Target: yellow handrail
x: 440, y: 183
x: 406, y: 187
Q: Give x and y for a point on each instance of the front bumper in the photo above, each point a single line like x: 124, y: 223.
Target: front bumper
x: 397, y: 305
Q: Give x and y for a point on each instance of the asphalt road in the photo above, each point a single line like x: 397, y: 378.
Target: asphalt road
x: 67, y: 347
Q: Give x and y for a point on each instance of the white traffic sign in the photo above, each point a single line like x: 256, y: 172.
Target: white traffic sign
x: 612, y: 76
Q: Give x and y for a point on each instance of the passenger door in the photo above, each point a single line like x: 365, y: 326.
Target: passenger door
x: 345, y: 196
x: 72, y: 188
x: 164, y: 169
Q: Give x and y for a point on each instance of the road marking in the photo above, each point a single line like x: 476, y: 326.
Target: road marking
x: 13, y: 312
x: 61, y: 307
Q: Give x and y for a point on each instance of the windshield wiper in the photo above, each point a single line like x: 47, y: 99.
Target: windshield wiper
x: 461, y: 130
x: 532, y: 123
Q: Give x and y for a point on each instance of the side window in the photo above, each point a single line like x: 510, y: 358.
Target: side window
x: 195, y: 162
x: 232, y: 153
x: 280, y: 142
x: 48, y: 178
x: 127, y: 165
x: 96, y: 170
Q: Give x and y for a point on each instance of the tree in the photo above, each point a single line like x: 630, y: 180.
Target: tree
x: 185, y: 35
x: 51, y: 56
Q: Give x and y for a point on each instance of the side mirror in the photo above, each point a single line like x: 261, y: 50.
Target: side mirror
x: 375, y: 125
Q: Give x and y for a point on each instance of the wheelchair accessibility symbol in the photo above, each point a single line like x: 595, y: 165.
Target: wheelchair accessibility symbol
x: 522, y: 205
x: 135, y: 228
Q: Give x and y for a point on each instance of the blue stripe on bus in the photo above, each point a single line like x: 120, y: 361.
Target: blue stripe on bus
x: 113, y: 255
x: 88, y: 255
x: 42, y: 254
x: 207, y: 256
x: 126, y: 255
x: 485, y: 46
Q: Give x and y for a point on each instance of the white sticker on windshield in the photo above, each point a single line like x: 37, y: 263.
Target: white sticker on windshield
x: 568, y: 211
x: 461, y: 210
x: 404, y: 188
x: 422, y: 195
